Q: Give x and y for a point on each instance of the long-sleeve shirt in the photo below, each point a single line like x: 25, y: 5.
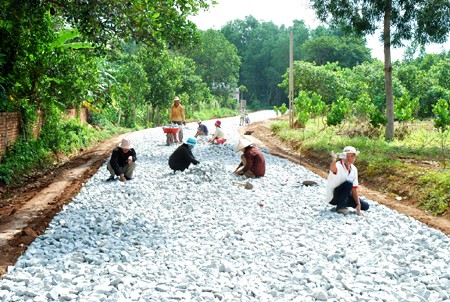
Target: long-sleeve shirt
x: 255, y: 161
x: 176, y: 114
x: 182, y: 158
x: 120, y: 159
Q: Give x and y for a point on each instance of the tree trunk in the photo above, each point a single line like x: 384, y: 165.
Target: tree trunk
x: 158, y: 114
x: 147, y: 119
x: 389, y: 135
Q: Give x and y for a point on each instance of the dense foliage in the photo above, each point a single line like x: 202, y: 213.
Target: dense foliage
x: 422, y: 21
x: 386, y: 166
x: 125, y: 61
x: 264, y: 49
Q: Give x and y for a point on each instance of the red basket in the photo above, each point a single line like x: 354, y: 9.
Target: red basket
x: 171, y: 130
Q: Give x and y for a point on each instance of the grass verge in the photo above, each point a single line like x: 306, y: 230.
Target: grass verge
x: 412, y: 168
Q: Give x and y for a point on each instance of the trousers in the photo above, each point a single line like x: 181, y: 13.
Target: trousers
x: 126, y: 170
x: 342, y: 197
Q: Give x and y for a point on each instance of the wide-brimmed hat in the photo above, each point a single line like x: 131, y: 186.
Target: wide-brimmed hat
x: 125, y: 144
x: 350, y: 149
x: 191, y: 141
x: 218, y: 123
x: 199, y: 120
x: 176, y: 98
x: 243, y: 143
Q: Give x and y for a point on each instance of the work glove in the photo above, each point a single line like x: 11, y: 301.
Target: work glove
x: 333, y: 155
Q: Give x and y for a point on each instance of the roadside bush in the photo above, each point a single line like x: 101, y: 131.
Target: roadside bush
x: 339, y: 110
x: 283, y: 109
x: 276, y: 127
x: 31, y: 156
x: 22, y: 158
x: 67, y: 136
x: 303, y: 108
x: 277, y: 111
x: 437, y: 194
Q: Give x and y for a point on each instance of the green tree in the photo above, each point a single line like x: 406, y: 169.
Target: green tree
x: 442, y: 121
x: 301, y: 34
x: 324, y: 80
x: 348, y: 51
x: 339, y: 111
x: 150, y: 21
x: 217, y: 63
x: 423, y: 21
x: 264, y: 49
x: 303, y: 107
x: 406, y: 108
x: 38, y: 71
x: 425, y: 79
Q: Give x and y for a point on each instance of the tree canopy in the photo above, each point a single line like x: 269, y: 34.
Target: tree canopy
x: 217, y: 63
x: 423, y: 21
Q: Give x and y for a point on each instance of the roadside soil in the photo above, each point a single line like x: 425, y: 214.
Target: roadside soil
x: 27, y: 210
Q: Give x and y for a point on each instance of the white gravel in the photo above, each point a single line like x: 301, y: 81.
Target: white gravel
x: 195, y: 236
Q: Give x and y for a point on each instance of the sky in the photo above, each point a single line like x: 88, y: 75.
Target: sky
x: 283, y: 12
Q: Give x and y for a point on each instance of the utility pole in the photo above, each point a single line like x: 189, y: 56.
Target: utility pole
x: 291, y: 80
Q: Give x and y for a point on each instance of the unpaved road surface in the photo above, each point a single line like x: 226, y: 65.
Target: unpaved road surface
x: 26, y: 211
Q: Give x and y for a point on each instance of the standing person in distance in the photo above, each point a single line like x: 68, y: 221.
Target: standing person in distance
x: 342, y: 182
x: 176, y: 116
x: 182, y: 157
x: 123, y: 161
x: 253, y: 163
x: 242, y: 117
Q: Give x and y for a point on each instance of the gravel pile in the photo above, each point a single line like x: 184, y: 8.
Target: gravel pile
x: 197, y: 236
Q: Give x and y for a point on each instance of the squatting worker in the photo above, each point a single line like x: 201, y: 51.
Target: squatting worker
x: 123, y: 161
x: 342, y: 182
x: 218, y: 137
x: 202, y: 129
x: 253, y: 163
x: 176, y: 115
x: 182, y: 157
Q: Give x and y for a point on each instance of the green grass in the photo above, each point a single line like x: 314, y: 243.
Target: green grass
x: 30, y: 157
x: 413, y: 166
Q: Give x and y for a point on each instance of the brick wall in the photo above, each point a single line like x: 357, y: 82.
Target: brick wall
x: 73, y: 113
x: 10, y: 126
x: 9, y: 129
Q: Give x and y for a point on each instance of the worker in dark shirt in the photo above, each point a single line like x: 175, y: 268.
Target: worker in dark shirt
x: 123, y: 161
x: 253, y: 163
x: 182, y: 157
x: 202, y: 129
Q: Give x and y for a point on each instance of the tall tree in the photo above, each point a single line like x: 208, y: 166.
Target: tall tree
x: 348, y: 51
x: 424, y: 21
x: 217, y: 63
x: 260, y: 46
x: 147, y: 21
